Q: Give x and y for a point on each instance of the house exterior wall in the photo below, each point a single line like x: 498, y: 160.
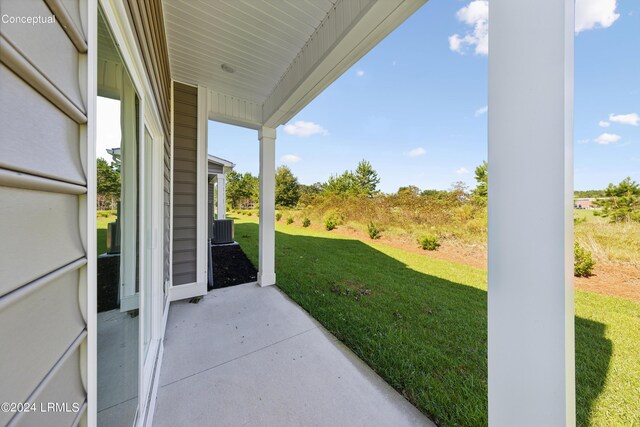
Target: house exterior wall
x: 185, y: 184
x: 148, y: 23
x: 47, y: 206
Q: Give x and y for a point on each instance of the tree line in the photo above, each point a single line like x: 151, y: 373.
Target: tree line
x: 363, y: 181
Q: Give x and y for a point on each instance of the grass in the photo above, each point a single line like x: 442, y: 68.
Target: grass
x: 421, y: 323
x: 408, y: 218
x: 102, y: 219
x: 609, y: 242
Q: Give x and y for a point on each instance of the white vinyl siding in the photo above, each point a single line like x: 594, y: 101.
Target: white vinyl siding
x: 44, y: 208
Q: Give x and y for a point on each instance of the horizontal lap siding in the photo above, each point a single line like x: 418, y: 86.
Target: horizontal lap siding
x: 43, y: 206
x: 148, y: 22
x: 185, y: 184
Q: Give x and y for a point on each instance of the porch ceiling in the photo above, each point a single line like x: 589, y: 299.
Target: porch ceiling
x: 258, y: 39
x: 283, y: 53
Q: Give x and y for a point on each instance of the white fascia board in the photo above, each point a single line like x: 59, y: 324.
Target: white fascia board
x: 220, y: 161
x: 350, y: 30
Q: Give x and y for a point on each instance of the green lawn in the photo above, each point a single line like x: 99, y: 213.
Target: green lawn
x: 421, y: 323
x: 102, y: 219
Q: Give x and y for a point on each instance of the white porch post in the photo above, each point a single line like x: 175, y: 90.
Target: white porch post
x: 267, y: 232
x: 222, y: 196
x: 531, y: 312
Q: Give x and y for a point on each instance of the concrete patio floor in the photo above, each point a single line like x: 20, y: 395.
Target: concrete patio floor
x: 249, y: 356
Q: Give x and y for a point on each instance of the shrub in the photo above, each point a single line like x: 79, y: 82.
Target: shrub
x: 428, y: 242
x: 583, y: 262
x: 373, y: 230
x: 289, y: 220
x: 331, y: 221
x: 278, y: 216
x: 306, y: 222
x: 249, y: 213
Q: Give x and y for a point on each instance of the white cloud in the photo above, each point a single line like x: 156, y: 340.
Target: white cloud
x: 592, y: 14
x: 482, y: 110
x: 607, y: 138
x: 632, y: 119
x: 589, y: 14
x: 290, y: 158
x: 462, y: 171
x: 304, y: 129
x: 360, y: 73
x: 476, y: 15
x: 604, y: 124
x: 417, y: 152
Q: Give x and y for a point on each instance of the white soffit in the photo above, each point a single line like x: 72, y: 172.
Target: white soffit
x: 283, y: 52
x: 258, y: 39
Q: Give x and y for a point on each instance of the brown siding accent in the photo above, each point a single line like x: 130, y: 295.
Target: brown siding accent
x: 185, y: 147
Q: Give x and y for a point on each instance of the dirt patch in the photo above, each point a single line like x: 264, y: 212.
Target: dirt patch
x: 231, y: 266
x: 618, y: 280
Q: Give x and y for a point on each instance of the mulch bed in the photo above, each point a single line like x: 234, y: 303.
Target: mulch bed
x: 108, y: 281
x: 231, y: 266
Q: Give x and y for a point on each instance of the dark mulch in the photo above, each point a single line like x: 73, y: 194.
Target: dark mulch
x: 231, y: 266
x: 108, y: 280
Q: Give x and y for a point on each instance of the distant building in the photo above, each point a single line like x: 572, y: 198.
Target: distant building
x: 585, y: 203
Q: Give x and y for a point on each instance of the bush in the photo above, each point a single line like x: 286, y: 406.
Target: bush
x: 249, y: 213
x: 278, y: 216
x: 373, y: 230
x: 306, y: 222
x: 331, y: 220
x: 429, y: 242
x: 583, y: 262
x: 289, y: 220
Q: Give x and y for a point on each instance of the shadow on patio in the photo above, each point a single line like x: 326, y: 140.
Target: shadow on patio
x: 247, y: 355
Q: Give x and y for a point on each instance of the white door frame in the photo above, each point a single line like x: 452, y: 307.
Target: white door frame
x: 154, y: 284
x: 116, y: 17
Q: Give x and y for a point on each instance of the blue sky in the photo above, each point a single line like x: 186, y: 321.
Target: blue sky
x: 413, y: 106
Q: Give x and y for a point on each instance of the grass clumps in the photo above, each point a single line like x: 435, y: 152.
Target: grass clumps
x: 278, y: 216
x: 429, y: 242
x: 306, y: 222
x: 289, y: 220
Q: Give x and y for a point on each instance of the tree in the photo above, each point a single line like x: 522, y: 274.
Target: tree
x: 459, y: 190
x: 363, y: 182
x: 409, y: 190
x: 287, y: 187
x: 481, y: 192
x: 341, y: 184
x: 242, y: 189
x: 233, y: 188
x: 309, y: 193
x: 436, y: 194
x: 366, y: 179
x: 621, y: 202
x: 108, y: 184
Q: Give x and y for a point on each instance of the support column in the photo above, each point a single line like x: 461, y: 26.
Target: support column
x: 530, y: 301
x: 267, y: 233
x: 222, y: 196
